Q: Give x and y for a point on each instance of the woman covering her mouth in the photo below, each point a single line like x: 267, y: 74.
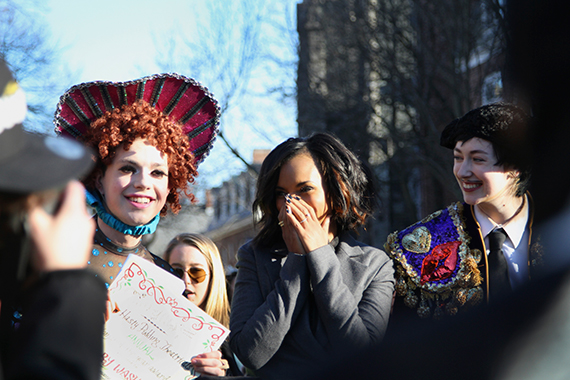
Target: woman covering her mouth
x: 149, y: 135
x: 306, y: 289
x: 446, y: 262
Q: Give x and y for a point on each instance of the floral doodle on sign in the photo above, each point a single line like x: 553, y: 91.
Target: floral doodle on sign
x: 135, y: 274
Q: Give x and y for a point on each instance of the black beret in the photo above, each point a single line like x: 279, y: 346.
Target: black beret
x: 499, y: 123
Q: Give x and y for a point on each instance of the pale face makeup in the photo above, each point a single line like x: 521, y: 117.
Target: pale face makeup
x: 135, y: 184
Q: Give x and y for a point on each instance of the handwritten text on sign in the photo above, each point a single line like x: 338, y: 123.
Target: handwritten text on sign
x: 157, y: 330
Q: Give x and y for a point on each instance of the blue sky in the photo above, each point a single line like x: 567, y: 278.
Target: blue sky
x: 112, y: 39
x: 121, y: 40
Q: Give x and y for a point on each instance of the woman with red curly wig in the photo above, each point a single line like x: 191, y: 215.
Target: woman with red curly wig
x: 142, y: 165
x: 149, y: 136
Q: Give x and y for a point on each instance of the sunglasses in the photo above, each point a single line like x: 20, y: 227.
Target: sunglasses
x: 197, y: 274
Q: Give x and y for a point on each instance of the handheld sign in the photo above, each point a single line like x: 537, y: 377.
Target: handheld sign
x: 156, y: 331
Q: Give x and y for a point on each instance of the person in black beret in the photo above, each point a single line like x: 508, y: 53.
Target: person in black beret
x: 479, y: 250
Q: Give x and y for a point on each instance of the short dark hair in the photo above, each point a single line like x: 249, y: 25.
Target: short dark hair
x: 350, y: 188
x: 505, y: 126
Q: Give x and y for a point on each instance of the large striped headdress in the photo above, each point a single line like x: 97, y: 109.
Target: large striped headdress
x: 183, y: 100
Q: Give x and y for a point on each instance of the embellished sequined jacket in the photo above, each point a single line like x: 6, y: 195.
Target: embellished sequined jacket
x: 441, y: 268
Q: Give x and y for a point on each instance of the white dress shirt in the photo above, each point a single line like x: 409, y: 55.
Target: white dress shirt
x: 515, y: 247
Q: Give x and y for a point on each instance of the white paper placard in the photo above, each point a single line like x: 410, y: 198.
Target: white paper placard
x: 157, y: 330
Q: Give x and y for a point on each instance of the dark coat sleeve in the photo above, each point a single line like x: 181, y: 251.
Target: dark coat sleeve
x: 228, y: 354
x: 261, y: 317
x: 61, y: 333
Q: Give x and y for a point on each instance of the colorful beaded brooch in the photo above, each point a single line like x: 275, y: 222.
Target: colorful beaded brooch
x: 183, y: 100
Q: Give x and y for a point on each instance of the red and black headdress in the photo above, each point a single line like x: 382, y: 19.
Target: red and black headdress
x: 183, y: 100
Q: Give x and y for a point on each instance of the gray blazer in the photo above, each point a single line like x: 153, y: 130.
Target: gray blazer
x: 291, y: 312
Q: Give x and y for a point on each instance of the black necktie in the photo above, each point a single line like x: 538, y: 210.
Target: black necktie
x: 499, y: 284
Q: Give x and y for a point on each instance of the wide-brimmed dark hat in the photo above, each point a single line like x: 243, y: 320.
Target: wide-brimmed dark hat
x: 183, y: 100
x: 32, y: 162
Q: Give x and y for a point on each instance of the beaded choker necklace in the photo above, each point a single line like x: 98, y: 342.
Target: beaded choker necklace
x: 94, y: 200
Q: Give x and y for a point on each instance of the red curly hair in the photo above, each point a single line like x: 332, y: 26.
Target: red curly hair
x: 140, y: 120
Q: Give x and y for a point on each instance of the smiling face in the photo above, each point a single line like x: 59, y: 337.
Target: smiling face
x: 135, y: 184
x: 185, y: 257
x: 300, y: 176
x: 480, y: 180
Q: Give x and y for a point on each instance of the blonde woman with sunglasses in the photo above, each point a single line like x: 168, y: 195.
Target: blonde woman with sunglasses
x: 196, y: 260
